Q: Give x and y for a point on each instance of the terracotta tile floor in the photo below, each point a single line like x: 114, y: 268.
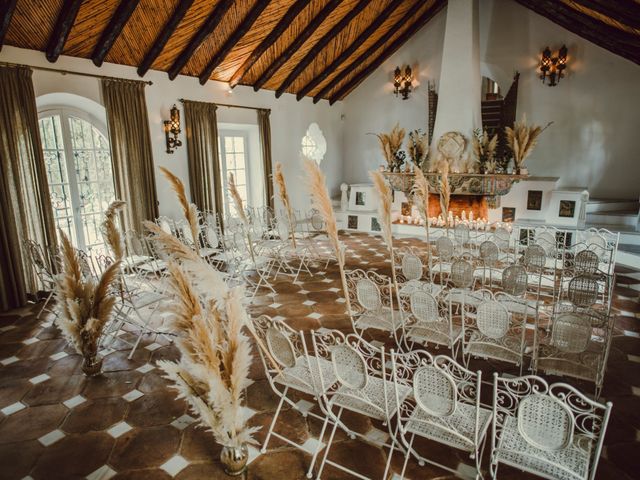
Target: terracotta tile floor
x: 55, y: 423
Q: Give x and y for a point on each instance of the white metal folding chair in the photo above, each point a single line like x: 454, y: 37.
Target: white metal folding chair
x: 553, y: 431
x: 445, y: 408
x: 364, y: 386
x: 371, y: 302
x: 291, y: 367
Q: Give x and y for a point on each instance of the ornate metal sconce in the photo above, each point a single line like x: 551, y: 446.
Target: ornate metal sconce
x: 402, y: 82
x: 172, y: 129
x: 553, y: 66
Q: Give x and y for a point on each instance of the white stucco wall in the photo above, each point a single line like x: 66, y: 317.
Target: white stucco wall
x: 289, y: 118
x: 595, y: 109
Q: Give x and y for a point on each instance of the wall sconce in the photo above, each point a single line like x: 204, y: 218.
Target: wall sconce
x: 553, y: 66
x: 172, y: 129
x: 402, y: 82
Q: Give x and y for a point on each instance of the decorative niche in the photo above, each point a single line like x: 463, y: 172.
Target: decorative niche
x: 314, y: 145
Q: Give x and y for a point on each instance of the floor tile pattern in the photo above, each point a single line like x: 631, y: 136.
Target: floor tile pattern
x: 126, y: 424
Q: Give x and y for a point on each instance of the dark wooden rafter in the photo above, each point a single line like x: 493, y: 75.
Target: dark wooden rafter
x: 269, y: 40
x: 624, y: 11
x: 319, y: 46
x: 64, y: 22
x: 6, y: 12
x: 351, y: 48
x: 311, y: 27
x: 114, y: 27
x: 234, y: 38
x: 212, y: 21
x: 615, y: 40
x: 387, y: 52
x: 163, y: 37
x: 364, y: 56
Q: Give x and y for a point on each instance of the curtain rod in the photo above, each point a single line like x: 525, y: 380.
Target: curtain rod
x: 228, y: 105
x: 69, y: 72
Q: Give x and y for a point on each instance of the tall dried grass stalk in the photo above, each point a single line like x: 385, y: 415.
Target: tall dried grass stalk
x: 522, y: 139
x: 421, y: 196
x: 316, y: 183
x: 284, y: 198
x: 189, y: 210
x: 384, y: 216
x: 84, y: 305
x: 237, y: 201
x: 213, y: 371
x: 111, y: 233
x: 445, y: 193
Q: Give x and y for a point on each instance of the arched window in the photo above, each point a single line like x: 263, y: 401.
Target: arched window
x: 80, y: 175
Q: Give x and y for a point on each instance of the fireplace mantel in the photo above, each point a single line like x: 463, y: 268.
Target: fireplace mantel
x: 488, y: 185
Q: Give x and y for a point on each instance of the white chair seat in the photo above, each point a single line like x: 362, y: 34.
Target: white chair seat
x: 384, y: 320
x: 571, y: 463
x: 373, y: 395
x: 461, y: 421
x: 419, y: 285
x: 208, y: 251
x: 301, y: 377
x: 506, y: 350
x: 153, y: 266
x: 435, y: 332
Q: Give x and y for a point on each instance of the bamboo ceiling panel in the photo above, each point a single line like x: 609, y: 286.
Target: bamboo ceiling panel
x: 32, y: 23
x: 612, y: 25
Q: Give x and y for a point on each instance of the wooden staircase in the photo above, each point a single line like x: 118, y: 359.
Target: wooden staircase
x: 497, y: 114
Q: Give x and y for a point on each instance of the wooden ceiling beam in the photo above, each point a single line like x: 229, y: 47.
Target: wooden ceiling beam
x: 209, y: 25
x: 387, y: 52
x: 163, y: 37
x: 624, y: 11
x: 6, y: 12
x: 114, y: 27
x: 364, y: 56
x: 616, y: 41
x: 269, y: 40
x: 311, y: 27
x: 66, y: 19
x: 234, y: 38
x: 319, y: 46
x: 351, y: 48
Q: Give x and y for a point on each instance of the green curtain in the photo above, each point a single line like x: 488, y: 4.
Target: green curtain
x: 25, y: 202
x: 133, y: 168
x: 264, y: 126
x: 201, y: 128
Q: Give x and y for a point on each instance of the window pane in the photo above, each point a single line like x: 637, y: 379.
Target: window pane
x: 239, y: 144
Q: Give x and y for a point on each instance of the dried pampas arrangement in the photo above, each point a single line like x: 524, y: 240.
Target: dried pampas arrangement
x: 316, y: 183
x: 189, y: 210
x: 112, y: 234
x: 484, y: 148
x: 284, y: 198
x: 84, y: 305
x: 213, y: 371
x: 522, y: 138
x: 383, y: 192
x: 390, y: 144
x: 418, y: 147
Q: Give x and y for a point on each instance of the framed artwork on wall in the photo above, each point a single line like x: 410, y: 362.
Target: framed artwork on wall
x: 534, y: 200
x: 567, y: 208
x: 508, y: 214
x: 352, y: 222
x: 360, y: 199
x: 375, y: 225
